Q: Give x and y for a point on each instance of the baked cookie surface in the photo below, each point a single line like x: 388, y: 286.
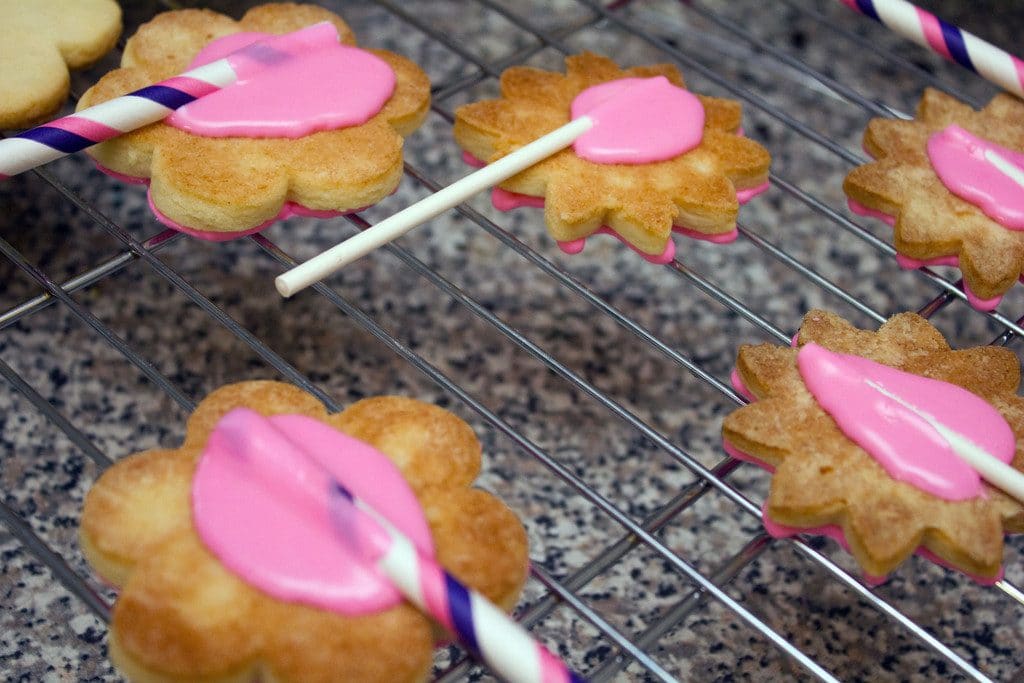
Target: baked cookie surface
x: 182, y: 615
x: 823, y: 478
x: 221, y: 187
x: 696, y: 190
x: 932, y: 224
x: 39, y: 41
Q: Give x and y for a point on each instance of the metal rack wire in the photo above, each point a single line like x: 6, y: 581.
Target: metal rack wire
x: 691, y: 596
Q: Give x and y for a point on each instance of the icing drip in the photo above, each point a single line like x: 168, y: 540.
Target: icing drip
x: 910, y: 263
x: 285, y: 545
x: 333, y: 87
x: 287, y: 211
x: 503, y: 200
x: 642, y: 120
x: 835, y: 532
x: 980, y: 172
x: 852, y: 390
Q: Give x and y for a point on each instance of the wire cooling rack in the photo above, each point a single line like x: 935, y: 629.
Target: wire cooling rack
x: 597, y: 383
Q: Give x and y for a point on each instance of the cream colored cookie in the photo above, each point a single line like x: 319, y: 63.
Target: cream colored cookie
x: 39, y: 41
x: 182, y: 616
x: 930, y: 221
x: 696, y: 189
x: 231, y: 184
x: 824, y: 478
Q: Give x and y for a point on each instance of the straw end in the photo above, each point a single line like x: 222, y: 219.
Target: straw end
x: 284, y: 286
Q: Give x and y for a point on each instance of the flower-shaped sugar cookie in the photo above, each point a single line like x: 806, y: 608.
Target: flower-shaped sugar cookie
x: 39, y: 41
x: 224, y: 580
x: 217, y: 183
x: 852, y: 461
x: 641, y: 199
x: 951, y: 182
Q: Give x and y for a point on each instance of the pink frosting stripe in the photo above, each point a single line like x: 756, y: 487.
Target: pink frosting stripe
x: 87, y: 128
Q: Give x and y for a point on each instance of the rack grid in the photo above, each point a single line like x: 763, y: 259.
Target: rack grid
x: 597, y: 383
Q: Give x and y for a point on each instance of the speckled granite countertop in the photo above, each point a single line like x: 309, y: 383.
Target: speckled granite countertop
x: 56, y: 356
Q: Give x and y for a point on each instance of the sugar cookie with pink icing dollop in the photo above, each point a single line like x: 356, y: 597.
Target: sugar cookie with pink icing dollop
x: 222, y: 578
x: 951, y: 183
x: 316, y: 133
x: 667, y: 160
x: 850, y: 462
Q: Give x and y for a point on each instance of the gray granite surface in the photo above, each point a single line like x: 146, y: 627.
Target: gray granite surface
x: 620, y: 416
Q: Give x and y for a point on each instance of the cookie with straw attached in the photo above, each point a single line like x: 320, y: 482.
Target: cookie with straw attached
x: 184, y: 614
x: 824, y: 481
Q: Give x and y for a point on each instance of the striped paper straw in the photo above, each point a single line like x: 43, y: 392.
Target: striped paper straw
x: 926, y: 29
x: 493, y: 636
x: 142, y: 107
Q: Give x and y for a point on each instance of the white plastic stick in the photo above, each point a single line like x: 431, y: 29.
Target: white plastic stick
x: 990, y: 468
x: 322, y: 265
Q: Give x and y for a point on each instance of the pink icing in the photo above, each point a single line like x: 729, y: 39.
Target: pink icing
x: 253, y: 57
x: 906, y: 446
x: 862, y: 210
x: 744, y: 196
x: 969, y: 168
x: 312, y: 90
x: 283, y: 543
x: 912, y: 263
x: 503, y: 200
x: 640, y: 121
x: 287, y: 211
x: 835, y: 532
x: 740, y: 387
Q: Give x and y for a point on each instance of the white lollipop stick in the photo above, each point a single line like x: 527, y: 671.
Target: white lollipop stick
x: 990, y: 468
x: 393, y: 227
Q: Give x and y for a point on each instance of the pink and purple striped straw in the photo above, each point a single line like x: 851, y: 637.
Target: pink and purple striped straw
x: 491, y: 635
x: 142, y: 107
x: 995, y: 65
